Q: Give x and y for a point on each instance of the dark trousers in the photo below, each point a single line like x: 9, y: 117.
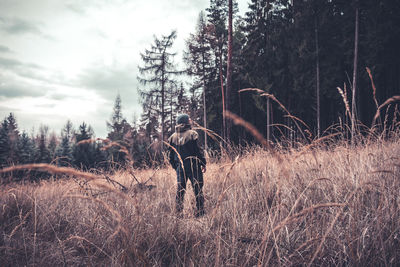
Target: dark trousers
x: 192, y: 172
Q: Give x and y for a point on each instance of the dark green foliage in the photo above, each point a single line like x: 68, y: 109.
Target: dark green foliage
x: 64, y: 150
x: 53, y: 143
x: 275, y: 50
x: 43, y: 152
x: 4, y: 143
x: 85, y: 152
x: 26, y: 149
x: 118, y: 125
x: 119, y: 132
x: 13, y: 136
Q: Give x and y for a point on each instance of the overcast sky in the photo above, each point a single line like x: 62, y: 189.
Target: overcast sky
x: 69, y: 59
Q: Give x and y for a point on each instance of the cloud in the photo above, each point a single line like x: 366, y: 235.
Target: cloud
x: 5, y: 49
x: 98, y: 33
x: 32, y: 71
x: 15, y: 91
x: 58, y: 96
x: 28, y: 70
x: 46, y: 105
x: 9, y: 63
x: 18, y: 26
x: 197, y: 5
x: 14, y: 88
x: 5, y: 111
x: 108, y: 81
x: 82, y: 7
x: 76, y: 8
x: 14, y: 82
x: 13, y: 63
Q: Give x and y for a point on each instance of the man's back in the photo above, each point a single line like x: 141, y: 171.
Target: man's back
x: 185, y: 143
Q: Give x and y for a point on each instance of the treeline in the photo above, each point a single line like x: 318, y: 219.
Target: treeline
x: 79, y: 148
x: 299, y: 51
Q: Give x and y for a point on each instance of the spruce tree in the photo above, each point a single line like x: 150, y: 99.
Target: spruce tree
x: 53, y: 144
x: 198, y: 58
x: 4, y: 143
x: 13, y: 137
x: 118, y: 126
x: 84, y: 153
x: 159, y: 72
x: 119, y: 132
x: 26, y: 149
x: 42, y: 151
x: 64, y: 150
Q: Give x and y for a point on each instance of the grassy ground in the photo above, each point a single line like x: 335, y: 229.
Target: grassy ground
x: 309, y: 206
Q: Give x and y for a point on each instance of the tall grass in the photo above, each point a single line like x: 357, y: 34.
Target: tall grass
x: 321, y: 202
x: 317, y: 205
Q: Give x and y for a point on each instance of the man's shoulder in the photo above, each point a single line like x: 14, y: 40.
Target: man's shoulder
x: 171, y: 137
x: 193, y: 134
x: 183, y: 137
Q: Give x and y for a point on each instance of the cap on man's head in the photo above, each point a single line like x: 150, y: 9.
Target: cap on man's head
x: 182, y: 119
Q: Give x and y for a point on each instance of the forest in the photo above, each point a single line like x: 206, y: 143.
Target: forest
x: 313, y: 66
x: 296, y: 106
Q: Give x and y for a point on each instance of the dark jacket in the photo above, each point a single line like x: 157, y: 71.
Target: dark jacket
x: 184, y: 141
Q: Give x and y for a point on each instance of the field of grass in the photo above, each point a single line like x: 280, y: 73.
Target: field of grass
x: 306, y: 206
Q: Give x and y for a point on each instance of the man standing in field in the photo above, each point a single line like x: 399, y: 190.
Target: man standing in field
x: 188, y: 160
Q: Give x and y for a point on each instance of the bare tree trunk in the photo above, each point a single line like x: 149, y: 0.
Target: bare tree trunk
x: 318, y: 82
x: 163, y: 99
x: 241, y: 115
x: 268, y: 120
x: 223, y: 97
x: 204, y: 102
x: 171, y: 113
x: 229, y: 69
x: 204, y: 113
x: 353, y: 101
x: 162, y: 108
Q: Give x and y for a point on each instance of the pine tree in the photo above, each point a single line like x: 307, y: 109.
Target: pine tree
x: 229, y: 68
x: 158, y: 71
x: 84, y: 153
x: 120, y: 132
x: 183, y: 103
x: 258, y: 61
x: 118, y: 126
x: 150, y: 125
x: 173, y: 107
x: 13, y: 137
x: 4, y: 143
x: 26, y: 149
x: 217, y: 15
x: 198, y: 58
x: 64, y: 150
x: 42, y: 151
x: 53, y: 143
x: 355, y: 65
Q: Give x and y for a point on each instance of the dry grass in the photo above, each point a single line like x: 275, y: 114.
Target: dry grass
x: 309, y: 206
x: 386, y: 103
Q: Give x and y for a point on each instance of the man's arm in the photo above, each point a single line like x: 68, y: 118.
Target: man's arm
x: 171, y: 155
x: 198, y: 151
x: 202, y: 158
